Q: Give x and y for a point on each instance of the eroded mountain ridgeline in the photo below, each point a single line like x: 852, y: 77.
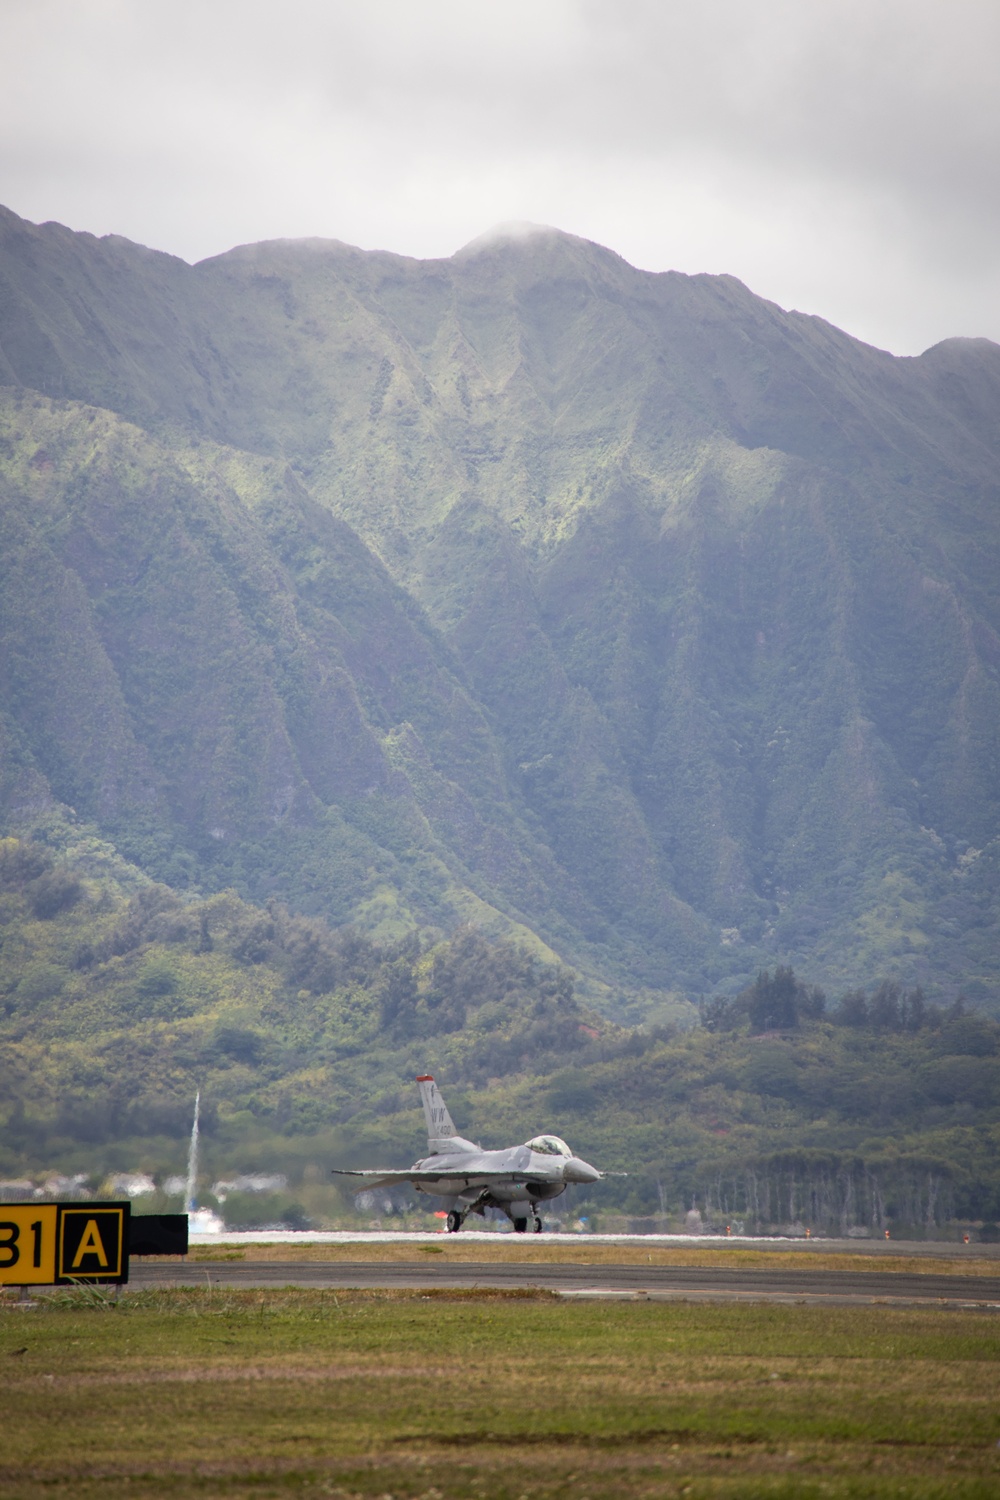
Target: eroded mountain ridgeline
x: 624, y: 610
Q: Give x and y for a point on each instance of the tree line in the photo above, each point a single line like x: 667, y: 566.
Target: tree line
x: 783, y: 1002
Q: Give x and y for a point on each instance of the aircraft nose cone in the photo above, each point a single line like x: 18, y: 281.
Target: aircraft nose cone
x: 577, y: 1170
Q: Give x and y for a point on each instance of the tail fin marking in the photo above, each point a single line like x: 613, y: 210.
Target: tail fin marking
x: 441, y: 1133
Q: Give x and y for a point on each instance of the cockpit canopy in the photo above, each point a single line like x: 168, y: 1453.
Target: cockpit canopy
x: 549, y: 1145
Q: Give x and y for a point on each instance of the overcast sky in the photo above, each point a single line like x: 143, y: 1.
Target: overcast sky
x: 842, y: 158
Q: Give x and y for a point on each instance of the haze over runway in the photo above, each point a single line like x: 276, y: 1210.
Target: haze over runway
x: 373, y: 1240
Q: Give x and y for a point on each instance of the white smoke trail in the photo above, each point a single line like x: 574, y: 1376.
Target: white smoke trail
x: 192, y: 1177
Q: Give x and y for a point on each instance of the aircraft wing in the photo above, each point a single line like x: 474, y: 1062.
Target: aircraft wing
x: 374, y: 1177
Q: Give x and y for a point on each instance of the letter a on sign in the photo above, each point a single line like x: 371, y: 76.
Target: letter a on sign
x: 93, y: 1242
x: 90, y: 1244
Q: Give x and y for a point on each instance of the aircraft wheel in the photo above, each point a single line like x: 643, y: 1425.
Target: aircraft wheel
x: 454, y: 1222
x: 520, y: 1225
x: 538, y: 1225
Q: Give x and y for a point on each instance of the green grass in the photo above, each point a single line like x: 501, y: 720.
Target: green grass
x: 209, y: 1393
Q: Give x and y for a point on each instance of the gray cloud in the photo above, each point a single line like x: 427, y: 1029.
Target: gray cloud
x: 837, y: 156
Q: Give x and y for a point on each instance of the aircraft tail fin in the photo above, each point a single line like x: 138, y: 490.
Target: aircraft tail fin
x: 441, y: 1132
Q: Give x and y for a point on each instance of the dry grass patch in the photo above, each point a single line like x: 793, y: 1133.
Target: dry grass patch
x: 528, y: 1250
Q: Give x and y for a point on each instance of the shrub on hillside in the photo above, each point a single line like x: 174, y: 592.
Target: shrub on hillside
x: 55, y: 891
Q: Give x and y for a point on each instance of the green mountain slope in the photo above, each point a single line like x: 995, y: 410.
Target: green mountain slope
x: 219, y: 675
x: 118, y: 1000
x: 706, y: 593
x: 116, y: 995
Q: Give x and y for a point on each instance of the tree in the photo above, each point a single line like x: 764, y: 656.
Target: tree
x: 853, y: 1009
x: 884, y: 1008
x: 774, y: 1003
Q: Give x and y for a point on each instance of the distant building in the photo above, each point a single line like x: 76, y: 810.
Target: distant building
x: 250, y: 1182
x: 131, y: 1185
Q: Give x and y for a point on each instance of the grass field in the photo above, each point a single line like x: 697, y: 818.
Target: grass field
x: 495, y: 1397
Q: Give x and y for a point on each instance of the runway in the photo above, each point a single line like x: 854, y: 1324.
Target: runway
x: 637, y: 1282
x: 774, y: 1244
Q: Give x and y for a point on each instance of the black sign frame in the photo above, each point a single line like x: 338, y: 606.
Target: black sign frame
x: 93, y: 1244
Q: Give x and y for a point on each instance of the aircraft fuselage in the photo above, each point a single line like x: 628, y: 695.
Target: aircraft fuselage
x: 533, y: 1176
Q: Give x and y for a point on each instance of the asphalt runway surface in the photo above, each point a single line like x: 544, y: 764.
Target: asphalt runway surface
x: 679, y: 1283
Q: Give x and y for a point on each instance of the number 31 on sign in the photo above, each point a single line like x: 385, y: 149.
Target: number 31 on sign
x: 28, y: 1236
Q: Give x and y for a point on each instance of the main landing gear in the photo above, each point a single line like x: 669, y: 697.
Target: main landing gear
x: 457, y: 1217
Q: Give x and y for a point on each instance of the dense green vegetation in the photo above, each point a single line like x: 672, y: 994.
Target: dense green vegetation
x: 119, y: 1001
x: 212, y: 1391
x: 117, y: 1006
x: 522, y: 588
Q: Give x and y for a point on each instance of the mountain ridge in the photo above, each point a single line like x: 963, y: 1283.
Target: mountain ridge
x: 719, y: 579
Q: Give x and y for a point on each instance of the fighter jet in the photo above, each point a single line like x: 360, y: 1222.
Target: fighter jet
x: 471, y: 1180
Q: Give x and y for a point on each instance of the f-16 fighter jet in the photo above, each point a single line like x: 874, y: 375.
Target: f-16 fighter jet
x: 471, y: 1180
